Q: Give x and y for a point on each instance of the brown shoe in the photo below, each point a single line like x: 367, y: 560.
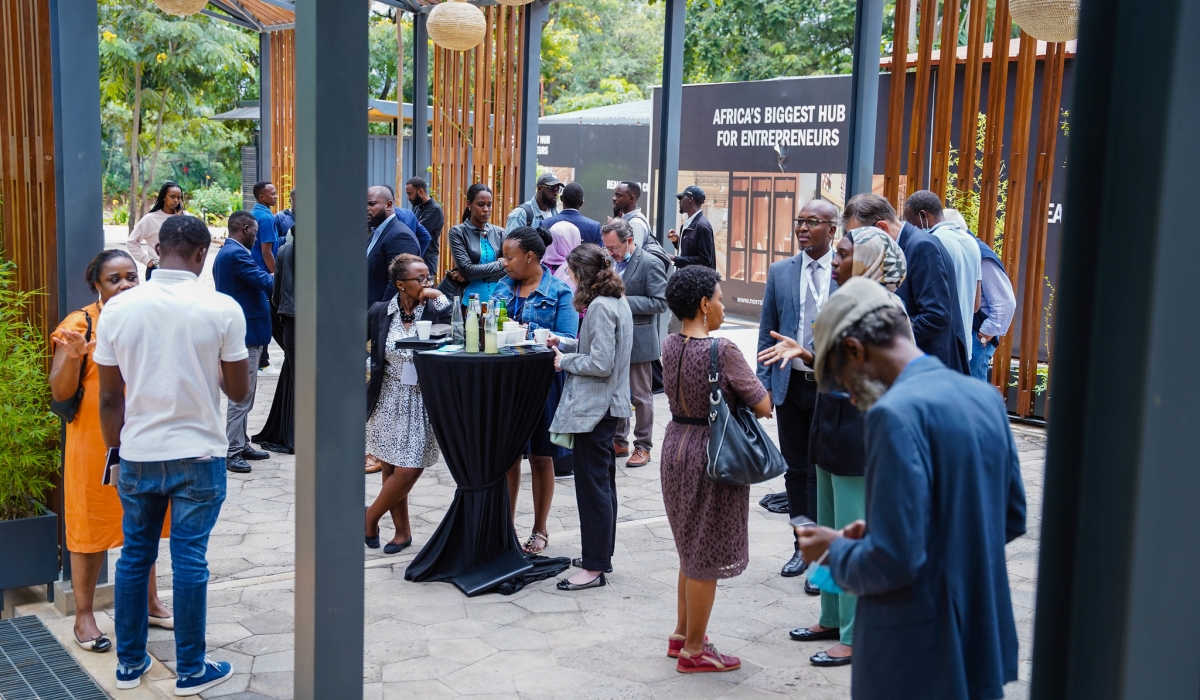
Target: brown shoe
x: 621, y: 450
x: 374, y: 466
x: 640, y: 458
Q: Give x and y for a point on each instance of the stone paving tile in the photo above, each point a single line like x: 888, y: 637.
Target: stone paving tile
x: 427, y: 641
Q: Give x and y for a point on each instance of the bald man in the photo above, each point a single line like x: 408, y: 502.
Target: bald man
x: 388, y: 238
x: 796, y: 290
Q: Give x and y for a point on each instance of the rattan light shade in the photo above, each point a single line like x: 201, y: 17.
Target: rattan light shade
x: 514, y: 3
x: 181, y: 8
x: 456, y: 25
x: 1046, y: 20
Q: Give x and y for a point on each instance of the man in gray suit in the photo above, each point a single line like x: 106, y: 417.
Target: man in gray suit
x: 645, y: 277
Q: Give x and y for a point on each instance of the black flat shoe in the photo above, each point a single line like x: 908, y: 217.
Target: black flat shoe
x: 393, y: 548
x: 372, y: 542
x: 237, y: 465
x: 578, y: 564
x: 566, y: 585
x: 804, y: 634
x: 248, y: 452
x: 822, y: 659
x: 795, y: 566
x: 810, y: 589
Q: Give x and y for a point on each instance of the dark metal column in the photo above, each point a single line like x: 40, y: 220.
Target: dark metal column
x: 667, y: 159
x: 331, y: 293
x: 1117, y: 610
x: 264, y: 107
x: 79, y: 198
x: 537, y: 14
x: 864, y: 96
x: 420, y: 64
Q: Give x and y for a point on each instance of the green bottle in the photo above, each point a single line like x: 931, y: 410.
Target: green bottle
x: 503, y: 313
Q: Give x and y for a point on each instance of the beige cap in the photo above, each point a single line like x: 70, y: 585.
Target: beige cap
x: 844, y: 308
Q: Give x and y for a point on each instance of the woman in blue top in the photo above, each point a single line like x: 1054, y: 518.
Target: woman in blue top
x: 536, y: 297
x: 475, y: 247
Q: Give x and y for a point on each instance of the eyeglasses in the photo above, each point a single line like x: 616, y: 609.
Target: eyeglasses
x: 423, y: 280
x: 811, y: 222
x: 614, y: 251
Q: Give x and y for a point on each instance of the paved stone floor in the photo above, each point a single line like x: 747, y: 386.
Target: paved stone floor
x: 428, y: 641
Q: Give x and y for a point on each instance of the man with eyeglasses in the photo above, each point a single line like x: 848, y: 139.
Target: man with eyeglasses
x: 796, y: 290
x: 697, y: 244
x: 543, y: 205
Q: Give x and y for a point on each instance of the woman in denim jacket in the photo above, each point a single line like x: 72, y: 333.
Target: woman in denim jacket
x: 533, y: 296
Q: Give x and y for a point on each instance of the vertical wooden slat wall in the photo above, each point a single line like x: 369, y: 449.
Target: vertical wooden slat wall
x: 283, y: 114
x: 27, y: 197
x: 477, y: 118
x: 933, y: 150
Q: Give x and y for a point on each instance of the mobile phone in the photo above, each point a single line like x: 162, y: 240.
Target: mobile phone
x: 111, y: 461
x: 802, y: 521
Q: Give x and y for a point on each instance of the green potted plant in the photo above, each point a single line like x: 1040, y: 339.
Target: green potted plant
x: 29, y: 444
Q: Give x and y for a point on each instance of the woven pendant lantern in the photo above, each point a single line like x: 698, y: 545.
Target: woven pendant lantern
x: 456, y: 25
x: 1046, y: 20
x: 514, y: 3
x: 181, y: 8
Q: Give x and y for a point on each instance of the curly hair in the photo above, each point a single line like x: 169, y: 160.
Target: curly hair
x: 92, y: 274
x: 687, y: 287
x: 594, y: 275
x: 398, y: 269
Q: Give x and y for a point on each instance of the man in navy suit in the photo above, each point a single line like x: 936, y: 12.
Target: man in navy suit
x: 796, y: 290
x: 389, y: 237
x: 930, y: 289
x: 237, y: 274
x: 572, y: 200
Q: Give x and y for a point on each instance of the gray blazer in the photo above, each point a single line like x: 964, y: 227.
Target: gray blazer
x: 646, y: 291
x: 597, y: 367
x: 781, y: 311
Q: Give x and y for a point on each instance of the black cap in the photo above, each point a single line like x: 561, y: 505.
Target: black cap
x: 691, y: 191
x: 547, y: 178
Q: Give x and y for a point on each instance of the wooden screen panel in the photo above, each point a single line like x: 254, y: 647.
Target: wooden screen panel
x: 972, y: 82
x: 917, y: 137
x: 760, y: 228
x: 477, y: 120
x: 993, y: 144
x: 739, y: 200
x: 895, y: 128
x: 943, y: 111
x: 283, y: 114
x: 27, y: 195
x: 784, y: 241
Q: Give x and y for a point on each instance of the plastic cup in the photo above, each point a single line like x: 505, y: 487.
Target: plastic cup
x: 423, y: 329
x: 541, y: 335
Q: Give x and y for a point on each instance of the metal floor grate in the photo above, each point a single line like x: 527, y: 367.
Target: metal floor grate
x: 34, y: 666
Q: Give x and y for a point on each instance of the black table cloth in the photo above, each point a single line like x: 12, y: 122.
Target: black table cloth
x: 483, y: 408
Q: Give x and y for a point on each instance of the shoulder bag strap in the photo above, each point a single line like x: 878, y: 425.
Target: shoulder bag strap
x: 530, y: 213
x: 714, y: 376
x: 87, y: 338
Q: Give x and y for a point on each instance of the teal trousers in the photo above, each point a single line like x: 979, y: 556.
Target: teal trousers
x: 840, y: 501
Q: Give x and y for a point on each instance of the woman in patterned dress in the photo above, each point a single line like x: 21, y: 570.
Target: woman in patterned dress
x: 398, y: 431
x: 710, y: 521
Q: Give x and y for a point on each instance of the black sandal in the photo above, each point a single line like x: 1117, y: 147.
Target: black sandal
x: 566, y: 585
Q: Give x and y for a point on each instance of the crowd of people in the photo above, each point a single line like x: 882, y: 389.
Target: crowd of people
x: 902, y: 478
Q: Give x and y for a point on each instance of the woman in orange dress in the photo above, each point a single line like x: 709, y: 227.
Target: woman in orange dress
x: 93, y: 511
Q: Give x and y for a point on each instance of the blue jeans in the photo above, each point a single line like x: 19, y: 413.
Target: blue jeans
x: 195, y: 489
x: 980, y: 356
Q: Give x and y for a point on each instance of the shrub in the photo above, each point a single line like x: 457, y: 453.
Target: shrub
x: 214, y: 203
x: 29, y: 432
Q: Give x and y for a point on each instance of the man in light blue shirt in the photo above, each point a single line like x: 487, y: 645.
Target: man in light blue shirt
x: 543, y: 205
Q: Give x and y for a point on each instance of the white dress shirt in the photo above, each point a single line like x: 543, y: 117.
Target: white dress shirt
x: 820, y: 287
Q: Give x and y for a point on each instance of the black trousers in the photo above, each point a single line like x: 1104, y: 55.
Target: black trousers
x: 596, y: 493
x: 795, y: 425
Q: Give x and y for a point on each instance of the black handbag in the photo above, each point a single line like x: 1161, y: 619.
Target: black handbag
x: 740, y: 452
x: 67, y: 409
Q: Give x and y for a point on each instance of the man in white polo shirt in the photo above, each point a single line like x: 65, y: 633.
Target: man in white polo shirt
x: 162, y: 354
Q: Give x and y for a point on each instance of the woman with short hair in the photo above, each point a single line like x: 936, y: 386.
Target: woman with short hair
x: 596, y: 395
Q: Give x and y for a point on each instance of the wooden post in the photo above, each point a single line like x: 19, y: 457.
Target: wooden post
x: 895, y: 129
x: 993, y: 137
x: 943, y: 111
x: 920, y: 111
x: 972, y: 85
x: 1017, y: 179
x: 1035, y: 251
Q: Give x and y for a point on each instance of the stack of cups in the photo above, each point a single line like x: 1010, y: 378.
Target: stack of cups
x: 514, y: 332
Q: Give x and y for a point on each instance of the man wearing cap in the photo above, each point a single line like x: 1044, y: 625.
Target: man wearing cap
x: 543, y: 205
x: 696, y: 245
x: 934, y: 609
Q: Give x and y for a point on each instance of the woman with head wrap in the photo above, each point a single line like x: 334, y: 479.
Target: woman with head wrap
x: 566, y: 238
x: 836, y: 443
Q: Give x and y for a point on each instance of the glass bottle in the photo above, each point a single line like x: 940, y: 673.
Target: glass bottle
x: 483, y: 312
x: 490, y: 345
x: 503, y: 311
x: 457, y: 329
x: 471, y: 332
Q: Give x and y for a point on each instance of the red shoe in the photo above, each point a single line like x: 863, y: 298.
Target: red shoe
x: 675, y: 644
x: 640, y: 458
x: 708, y: 661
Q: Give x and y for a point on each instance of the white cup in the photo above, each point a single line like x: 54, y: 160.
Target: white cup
x: 423, y: 329
x: 541, y: 335
x: 513, y: 337
x: 511, y: 325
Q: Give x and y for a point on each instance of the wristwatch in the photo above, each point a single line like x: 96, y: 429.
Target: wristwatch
x: 153, y: 264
